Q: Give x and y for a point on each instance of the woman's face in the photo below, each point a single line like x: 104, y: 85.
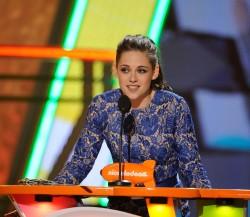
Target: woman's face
x: 135, y: 74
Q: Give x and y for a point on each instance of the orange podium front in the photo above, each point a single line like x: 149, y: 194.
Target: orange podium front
x: 56, y: 197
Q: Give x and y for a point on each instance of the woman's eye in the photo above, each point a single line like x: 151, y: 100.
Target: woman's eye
x: 142, y: 71
x: 124, y: 70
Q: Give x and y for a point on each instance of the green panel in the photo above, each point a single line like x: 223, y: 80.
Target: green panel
x: 158, y: 19
x: 55, y: 90
x: 222, y: 208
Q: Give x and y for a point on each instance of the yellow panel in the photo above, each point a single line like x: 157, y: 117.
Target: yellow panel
x: 106, y: 22
x: 71, y: 111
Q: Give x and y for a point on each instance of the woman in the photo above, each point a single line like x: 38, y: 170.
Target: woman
x: 163, y: 127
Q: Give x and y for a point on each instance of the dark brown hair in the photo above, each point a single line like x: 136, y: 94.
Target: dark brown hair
x: 144, y: 44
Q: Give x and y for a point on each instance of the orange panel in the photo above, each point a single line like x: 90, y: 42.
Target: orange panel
x: 56, y: 52
x: 124, y: 191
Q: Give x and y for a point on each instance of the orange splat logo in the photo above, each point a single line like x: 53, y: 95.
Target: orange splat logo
x: 142, y: 173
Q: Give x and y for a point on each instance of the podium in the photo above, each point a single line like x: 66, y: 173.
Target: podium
x: 37, y: 201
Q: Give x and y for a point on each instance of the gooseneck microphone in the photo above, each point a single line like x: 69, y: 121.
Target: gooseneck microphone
x: 129, y: 130
x: 124, y: 106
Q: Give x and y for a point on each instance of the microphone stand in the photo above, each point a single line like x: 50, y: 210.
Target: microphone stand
x: 124, y: 106
x: 121, y: 182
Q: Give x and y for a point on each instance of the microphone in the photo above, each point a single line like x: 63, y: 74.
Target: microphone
x: 124, y: 106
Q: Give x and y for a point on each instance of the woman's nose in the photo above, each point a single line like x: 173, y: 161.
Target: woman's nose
x: 133, y: 77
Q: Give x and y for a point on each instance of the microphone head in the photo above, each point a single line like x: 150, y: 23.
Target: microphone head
x: 124, y: 104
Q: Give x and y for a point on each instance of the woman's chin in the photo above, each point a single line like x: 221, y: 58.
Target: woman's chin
x: 132, y: 97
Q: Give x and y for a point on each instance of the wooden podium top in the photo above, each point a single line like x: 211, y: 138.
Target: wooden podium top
x: 123, y: 191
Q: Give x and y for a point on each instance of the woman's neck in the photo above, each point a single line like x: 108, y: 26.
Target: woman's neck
x: 143, y: 103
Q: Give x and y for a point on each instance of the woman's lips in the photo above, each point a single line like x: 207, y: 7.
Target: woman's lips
x: 133, y: 87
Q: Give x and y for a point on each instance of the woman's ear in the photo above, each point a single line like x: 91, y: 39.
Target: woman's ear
x: 156, y: 72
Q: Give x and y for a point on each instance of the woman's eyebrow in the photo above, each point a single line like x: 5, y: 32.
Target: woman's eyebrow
x: 142, y: 66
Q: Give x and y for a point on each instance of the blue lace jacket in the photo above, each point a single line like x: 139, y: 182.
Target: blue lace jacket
x: 163, y: 131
